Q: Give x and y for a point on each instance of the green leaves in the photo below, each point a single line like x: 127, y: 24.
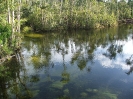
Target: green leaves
x: 70, y: 15
x: 5, y: 32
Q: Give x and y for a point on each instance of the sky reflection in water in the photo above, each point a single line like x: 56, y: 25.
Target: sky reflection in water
x: 81, y: 65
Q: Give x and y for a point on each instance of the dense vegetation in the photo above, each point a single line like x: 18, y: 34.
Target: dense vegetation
x: 45, y: 15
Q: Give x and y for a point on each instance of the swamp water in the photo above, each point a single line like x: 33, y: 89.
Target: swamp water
x: 72, y: 65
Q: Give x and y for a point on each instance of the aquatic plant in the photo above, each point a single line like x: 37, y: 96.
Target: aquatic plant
x: 57, y: 85
x: 33, y: 35
x: 63, y: 97
x: 95, y: 90
x: 83, y: 94
x: 89, y: 90
x: 66, y: 91
x: 109, y: 95
x: 35, y: 93
x: 104, y: 95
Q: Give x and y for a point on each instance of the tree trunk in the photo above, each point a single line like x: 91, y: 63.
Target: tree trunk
x: 18, y: 16
x: 69, y: 15
x: 9, y: 12
x: 61, y: 3
x: 13, y: 21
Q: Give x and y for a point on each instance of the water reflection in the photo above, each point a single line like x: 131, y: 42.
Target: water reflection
x: 129, y: 62
x: 14, y: 81
x: 71, y: 65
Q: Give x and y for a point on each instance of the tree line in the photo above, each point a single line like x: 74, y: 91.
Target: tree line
x: 43, y: 15
x: 47, y: 15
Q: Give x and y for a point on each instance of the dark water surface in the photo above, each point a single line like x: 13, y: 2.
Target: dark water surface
x: 72, y: 65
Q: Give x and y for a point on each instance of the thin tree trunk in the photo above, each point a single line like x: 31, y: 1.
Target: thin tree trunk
x: 9, y: 12
x: 13, y: 21
x: 70, y: 15
x: 18, y: 16
x: 87, y: 14
x: 61, y: 3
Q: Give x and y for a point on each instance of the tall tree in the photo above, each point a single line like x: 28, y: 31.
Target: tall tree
x: 18, y: 15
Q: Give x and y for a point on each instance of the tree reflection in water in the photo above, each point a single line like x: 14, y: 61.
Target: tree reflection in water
x: 116, y: 48
x: 41, y: 55
x: 130, y: 63
x: 12, y: 84
x: 113, y: 50
x: 65, y: 75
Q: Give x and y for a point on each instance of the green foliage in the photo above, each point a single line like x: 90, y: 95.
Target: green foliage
x: 4, y: 73
x: 69, y: 15
x: 1, y: 71
x: 66, y: 14
x: 124, y: 11
x: 5, y: 32
x: 27, y: 29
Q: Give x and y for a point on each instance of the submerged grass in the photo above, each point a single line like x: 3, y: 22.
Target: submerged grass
x: 101, y: 94
x: 57, y: 85
x: 33, y: 35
